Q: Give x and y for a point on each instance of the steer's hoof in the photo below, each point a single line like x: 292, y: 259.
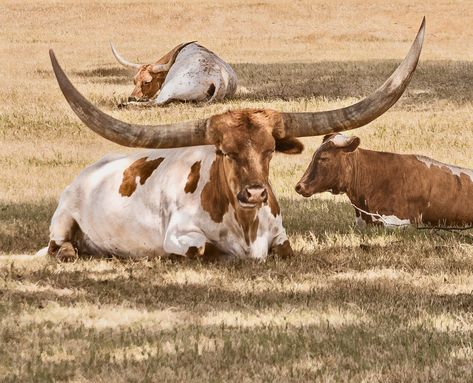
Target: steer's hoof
x: 283, y: 250
x: 67, y: 253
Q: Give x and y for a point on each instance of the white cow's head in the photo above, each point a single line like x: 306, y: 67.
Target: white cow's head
x: 149, y: 77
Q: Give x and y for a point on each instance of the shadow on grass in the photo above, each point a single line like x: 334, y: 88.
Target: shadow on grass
x: 433, y: 80
x: 147, y: 291
x: 24, y: 228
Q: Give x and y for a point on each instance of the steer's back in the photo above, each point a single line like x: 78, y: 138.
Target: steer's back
x: 414, y: 187
x: 123, y: 204
x: 198, y: 74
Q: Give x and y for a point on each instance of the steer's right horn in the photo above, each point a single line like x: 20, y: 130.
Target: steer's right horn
x: 175, y: 135
x: 122, y: 61
x: 305, y: 124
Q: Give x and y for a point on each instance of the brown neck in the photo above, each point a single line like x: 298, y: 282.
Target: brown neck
x: 351, y: 183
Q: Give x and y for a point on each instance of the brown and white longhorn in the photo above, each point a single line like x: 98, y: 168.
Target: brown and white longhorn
x: 189, y: 72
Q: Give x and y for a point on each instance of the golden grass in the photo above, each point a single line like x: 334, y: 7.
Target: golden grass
x: 352, y: 305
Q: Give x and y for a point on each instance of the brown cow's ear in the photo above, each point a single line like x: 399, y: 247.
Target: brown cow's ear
x: 352, y: 145
x: 289, y: 145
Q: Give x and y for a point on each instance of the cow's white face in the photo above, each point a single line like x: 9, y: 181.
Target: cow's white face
x: 147, y: 83
x: 325, y: 171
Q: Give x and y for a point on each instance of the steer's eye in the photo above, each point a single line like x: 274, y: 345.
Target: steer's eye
x: 233, y: 156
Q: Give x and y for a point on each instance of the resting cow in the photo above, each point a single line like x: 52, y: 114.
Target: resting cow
x: 387, y: 188
x: 213, y: 198
x: 189, y: 72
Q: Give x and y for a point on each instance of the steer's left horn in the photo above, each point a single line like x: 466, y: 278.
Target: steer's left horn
x: 173, y: 54
x: 144, y: 136
x: 359, y: 114
x: 122, y: 61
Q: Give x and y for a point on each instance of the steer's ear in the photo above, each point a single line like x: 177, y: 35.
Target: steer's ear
x: 289, y: 145
x: 352, y: 144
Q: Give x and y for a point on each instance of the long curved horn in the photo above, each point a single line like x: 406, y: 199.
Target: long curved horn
x: 313, y: 124
x: 165, y: 67
x: 175, y: 135
x: 122, y: 61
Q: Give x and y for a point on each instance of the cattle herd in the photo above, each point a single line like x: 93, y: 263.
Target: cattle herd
x: 201, y: 188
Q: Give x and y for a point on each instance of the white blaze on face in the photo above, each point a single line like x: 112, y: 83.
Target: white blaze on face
x: 455, y: 170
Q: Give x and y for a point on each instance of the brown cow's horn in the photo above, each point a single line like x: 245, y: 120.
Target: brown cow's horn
x: 351, y: 117
x: 165, y: 67
x: 122, y: 61
x: 144, y: 136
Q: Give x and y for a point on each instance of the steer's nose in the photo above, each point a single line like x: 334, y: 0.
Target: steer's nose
x: 132, y: 99
x: 254, y: 194
x: 301, y: 188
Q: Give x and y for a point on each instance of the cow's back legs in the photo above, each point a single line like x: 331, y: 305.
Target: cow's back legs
x: 63, y: 232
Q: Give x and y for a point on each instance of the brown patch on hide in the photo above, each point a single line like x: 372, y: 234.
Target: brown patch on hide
x: 193, y: 178
x: 140, y: 168
x: 273, y: 203
x: 214, y: 197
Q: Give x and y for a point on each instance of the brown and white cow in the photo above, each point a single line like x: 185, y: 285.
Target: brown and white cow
x: 388, y: 188
x: 206, y: 190
x: 189, y: 72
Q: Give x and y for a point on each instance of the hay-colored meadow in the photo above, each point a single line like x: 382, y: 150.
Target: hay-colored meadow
x: 352, y: 305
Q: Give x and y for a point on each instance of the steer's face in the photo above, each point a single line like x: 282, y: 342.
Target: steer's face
x: 147, y: 83
x: 325, y: 171
x: 245, y: 142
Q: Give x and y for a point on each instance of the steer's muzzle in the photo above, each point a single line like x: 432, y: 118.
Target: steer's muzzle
x: 302, y: 189
x: 134, y: 99
x: 252, y: 196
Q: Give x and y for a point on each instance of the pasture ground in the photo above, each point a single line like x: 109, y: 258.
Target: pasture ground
x: 352, y: 305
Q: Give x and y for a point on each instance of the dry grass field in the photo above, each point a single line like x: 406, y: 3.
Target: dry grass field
x: 351, y: 306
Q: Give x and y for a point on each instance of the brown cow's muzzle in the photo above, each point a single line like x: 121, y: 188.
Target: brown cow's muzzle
x: 252, y: 195
x: 303, y: 189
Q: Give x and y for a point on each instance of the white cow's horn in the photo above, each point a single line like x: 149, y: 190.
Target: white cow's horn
x: 122, y: 61
x: 359, y: 114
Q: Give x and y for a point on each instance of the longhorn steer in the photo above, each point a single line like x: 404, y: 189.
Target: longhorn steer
x: 392, y: 189
x: 212, y: 199
x: 189, y: 72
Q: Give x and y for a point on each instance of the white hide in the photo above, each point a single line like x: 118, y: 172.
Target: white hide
x: 193, y: 73
x: 159, y: 217
x: 389, y: 221
x: 456, y: 170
